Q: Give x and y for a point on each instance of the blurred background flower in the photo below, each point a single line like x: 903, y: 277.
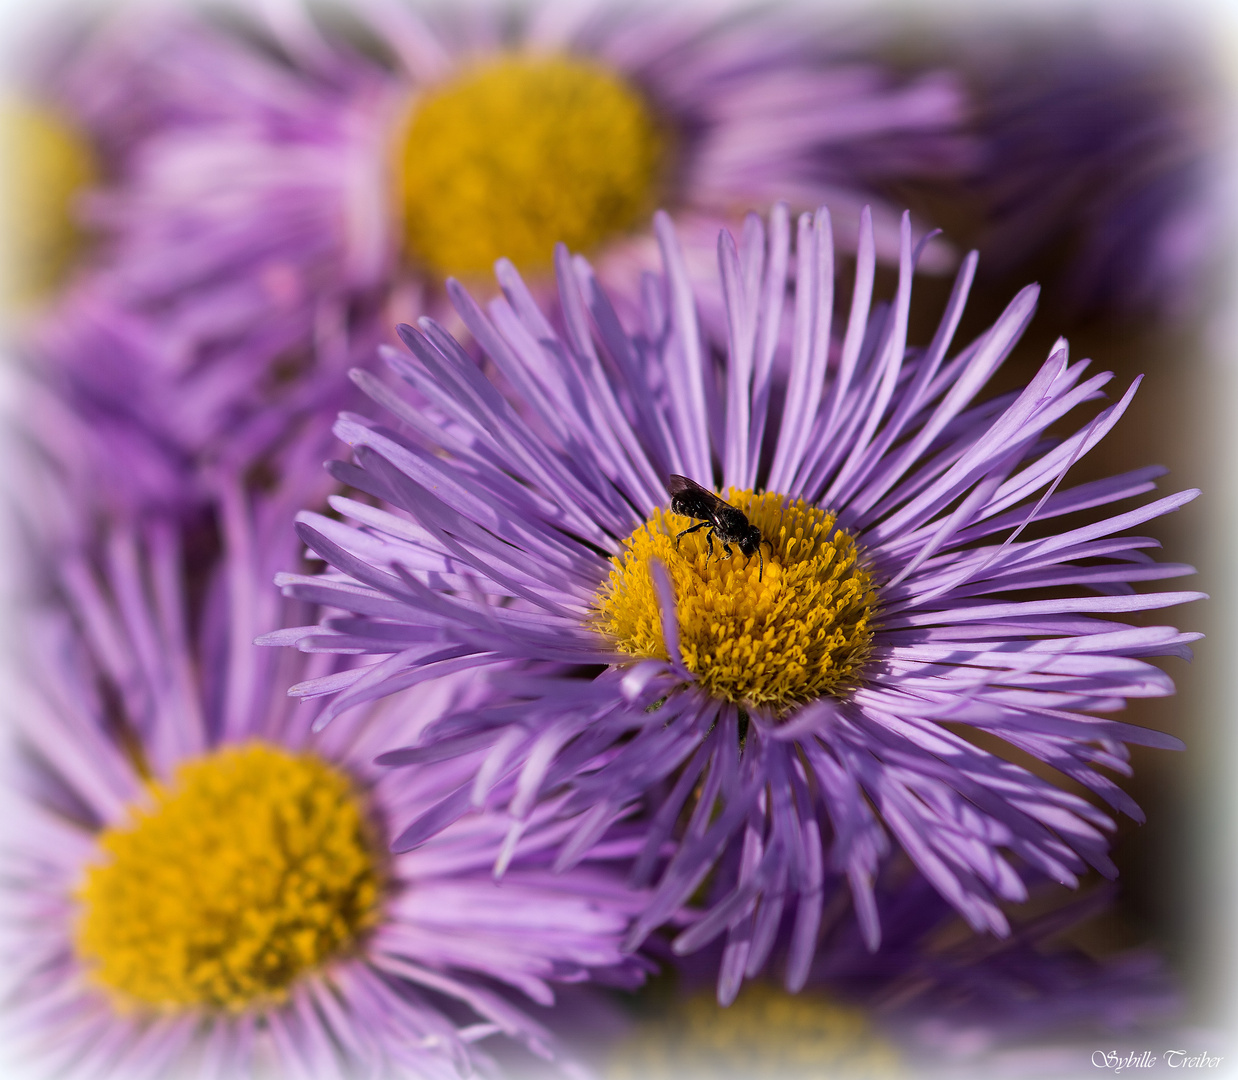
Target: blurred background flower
x: 933, y: 1000
x: 48, y: 165
x: 1098, y: 168
x: 1102, y: 147
x: 275, y: 193
x: 190, y: 878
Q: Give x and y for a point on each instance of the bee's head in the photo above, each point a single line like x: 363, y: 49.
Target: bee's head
x: 750, y: 542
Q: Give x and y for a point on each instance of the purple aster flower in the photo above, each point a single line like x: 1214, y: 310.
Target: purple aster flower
x: 788, y: 709
x: 131, y: 405
x: 192, y: 883
x: 79, y: 106
x: 254, y: 234
x: 964, y: 995
x: 132, y: 423
x: 47, y: 166
x: 925, y: 1001
x: 293, y: 180
x: 78, y: 466
x: 1106, y: 149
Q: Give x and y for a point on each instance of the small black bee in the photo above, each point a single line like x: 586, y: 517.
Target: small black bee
x: 723, y: 520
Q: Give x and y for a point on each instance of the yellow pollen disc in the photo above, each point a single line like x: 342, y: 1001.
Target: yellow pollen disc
x: 519, y: 153
x: 251, y: 868
x: 766, y: 1033
x: 801, y: 631
x: 46, y: 164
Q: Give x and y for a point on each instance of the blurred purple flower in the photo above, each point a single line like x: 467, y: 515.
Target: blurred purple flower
x: 249, y: 222
x: 130, y: 423
x: 1105, y: 146
x: 507, y: 518
x: 968, y: 995
x: 258, y: 210
x: 123, y: 693
x: 946, y: 1004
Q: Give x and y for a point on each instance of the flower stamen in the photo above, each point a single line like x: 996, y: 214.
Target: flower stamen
x: 253, y: 867
x: 47, y: 164
x: 802, y: 630
x: 520, y: 153
x: 767, y: 1032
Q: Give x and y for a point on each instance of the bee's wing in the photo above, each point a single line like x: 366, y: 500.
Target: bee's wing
x: 677, y: 485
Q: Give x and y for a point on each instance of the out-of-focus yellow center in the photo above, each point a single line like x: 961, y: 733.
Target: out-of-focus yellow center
x: 800, y: 631
x: 767, y: 1034
x: 520, y: 153
x: 251, y: 868
x: 44, y: 164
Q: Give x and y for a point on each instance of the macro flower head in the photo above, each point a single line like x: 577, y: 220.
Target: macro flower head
x: 194, y: 886
x: 287, y: 184
x: 783, y: 715
x: 275, y: 190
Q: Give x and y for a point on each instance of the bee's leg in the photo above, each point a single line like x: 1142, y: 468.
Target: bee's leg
x: 690, y: 529
x: 727, y: 549
x: 709, y: 540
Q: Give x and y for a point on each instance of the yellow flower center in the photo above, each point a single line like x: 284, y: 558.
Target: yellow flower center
x: 46, y: 163
x: 766, y: 1033
x: 800, y: 630
x: 522, y: 152
x: 253, y: 867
